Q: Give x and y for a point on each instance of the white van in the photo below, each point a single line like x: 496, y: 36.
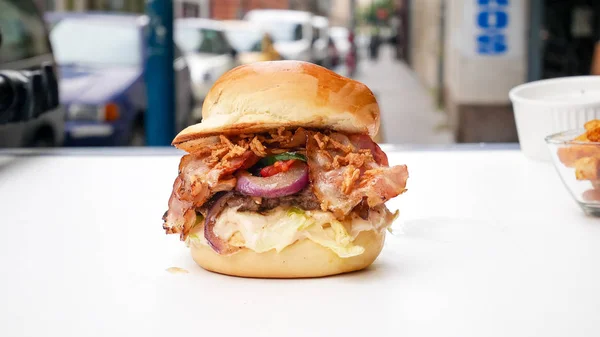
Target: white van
x: 292, y: 31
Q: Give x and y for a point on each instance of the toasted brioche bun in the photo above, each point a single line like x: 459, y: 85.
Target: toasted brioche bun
x: 263, y: 96
x: 302, y: 259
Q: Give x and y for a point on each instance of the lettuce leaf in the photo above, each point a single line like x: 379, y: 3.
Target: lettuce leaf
x: 279, y: 234
x: 394, y: 218
x: 194, y: 236
x: 280, y: 228
x: 335, y: 238
x: 195, y: 239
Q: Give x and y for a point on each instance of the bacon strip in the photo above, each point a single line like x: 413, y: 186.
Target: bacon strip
x: 344, y: 171
x: 200, y: 176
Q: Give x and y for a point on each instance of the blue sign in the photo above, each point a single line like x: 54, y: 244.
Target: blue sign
x: 492, y: 20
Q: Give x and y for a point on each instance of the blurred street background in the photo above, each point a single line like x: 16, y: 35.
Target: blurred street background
x: 135, y: 72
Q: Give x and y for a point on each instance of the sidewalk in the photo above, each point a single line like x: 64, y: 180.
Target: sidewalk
x: 408, y: 111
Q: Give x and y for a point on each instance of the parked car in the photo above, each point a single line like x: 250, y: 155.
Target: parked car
x: 321, y: 41
x: 25, y: 46
x: 250, y: 41
x: 291, y: 30
x: 207, y: 52
x: 101, y: 59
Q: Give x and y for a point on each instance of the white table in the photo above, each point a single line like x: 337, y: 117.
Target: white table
x: 489, y: 244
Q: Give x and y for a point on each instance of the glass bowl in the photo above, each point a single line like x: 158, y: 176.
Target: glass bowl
x: 578, y: 164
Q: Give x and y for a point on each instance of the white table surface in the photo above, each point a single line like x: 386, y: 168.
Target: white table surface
x: 488, y: 244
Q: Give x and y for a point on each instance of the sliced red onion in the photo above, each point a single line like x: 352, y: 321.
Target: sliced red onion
x: 217, y: 244
x: 279, y: 185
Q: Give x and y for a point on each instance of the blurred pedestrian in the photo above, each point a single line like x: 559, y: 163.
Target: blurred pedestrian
x: 352, y: 56
x: 374, y: 44
x: 268, y: 48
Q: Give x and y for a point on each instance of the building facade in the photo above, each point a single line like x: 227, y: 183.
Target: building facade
x: 340, y: 13
x: 182, y: 8
x: 100, y: 5
x: 470, y: 53
x: 236, y: 9
x: 216, y: 9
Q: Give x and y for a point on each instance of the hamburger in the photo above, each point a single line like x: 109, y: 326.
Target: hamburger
x: 282, y: 178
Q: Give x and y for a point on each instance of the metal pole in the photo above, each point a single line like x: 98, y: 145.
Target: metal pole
x: 160, y: 83
x: 441, y: 56
x: 353, y: 15
x: 534, y: 55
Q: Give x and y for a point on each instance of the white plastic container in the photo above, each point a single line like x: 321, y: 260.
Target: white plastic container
x: 549, y: 106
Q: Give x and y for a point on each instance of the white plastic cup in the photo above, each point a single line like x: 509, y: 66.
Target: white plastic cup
x: 546, y: 107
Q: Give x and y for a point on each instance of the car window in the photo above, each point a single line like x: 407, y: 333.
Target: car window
x: 201, y: 40
x: 23, y: 31
x: 283, y: 31
x: 244, y: 40
x: 298, y: 32
x: 91, y: 42
x: 316, y: 33
x: 222, y: 46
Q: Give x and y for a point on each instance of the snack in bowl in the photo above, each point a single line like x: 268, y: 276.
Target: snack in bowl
x: 282, y: 178
x: 576, y: 156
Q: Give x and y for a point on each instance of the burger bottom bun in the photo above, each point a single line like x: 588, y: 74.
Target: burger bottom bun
x: 302, y: 259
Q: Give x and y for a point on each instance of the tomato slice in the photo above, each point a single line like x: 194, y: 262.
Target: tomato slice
x: 278, y: 167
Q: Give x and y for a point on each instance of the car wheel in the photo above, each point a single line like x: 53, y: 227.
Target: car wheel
x: 43, y: 142
x: 138, y: 135
x: 43, y: 138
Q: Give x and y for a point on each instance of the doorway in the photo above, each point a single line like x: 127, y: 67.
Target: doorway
x: 563, y: 38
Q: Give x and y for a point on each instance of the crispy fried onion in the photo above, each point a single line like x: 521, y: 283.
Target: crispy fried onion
x: 347, y: 170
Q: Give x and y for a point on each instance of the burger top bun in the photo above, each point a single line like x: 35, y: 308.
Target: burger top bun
x: 263, y: 96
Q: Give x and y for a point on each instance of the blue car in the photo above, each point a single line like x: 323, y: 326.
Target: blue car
x: 101, y: 63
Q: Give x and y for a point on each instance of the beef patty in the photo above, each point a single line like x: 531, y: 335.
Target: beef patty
x: 304, y: 199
